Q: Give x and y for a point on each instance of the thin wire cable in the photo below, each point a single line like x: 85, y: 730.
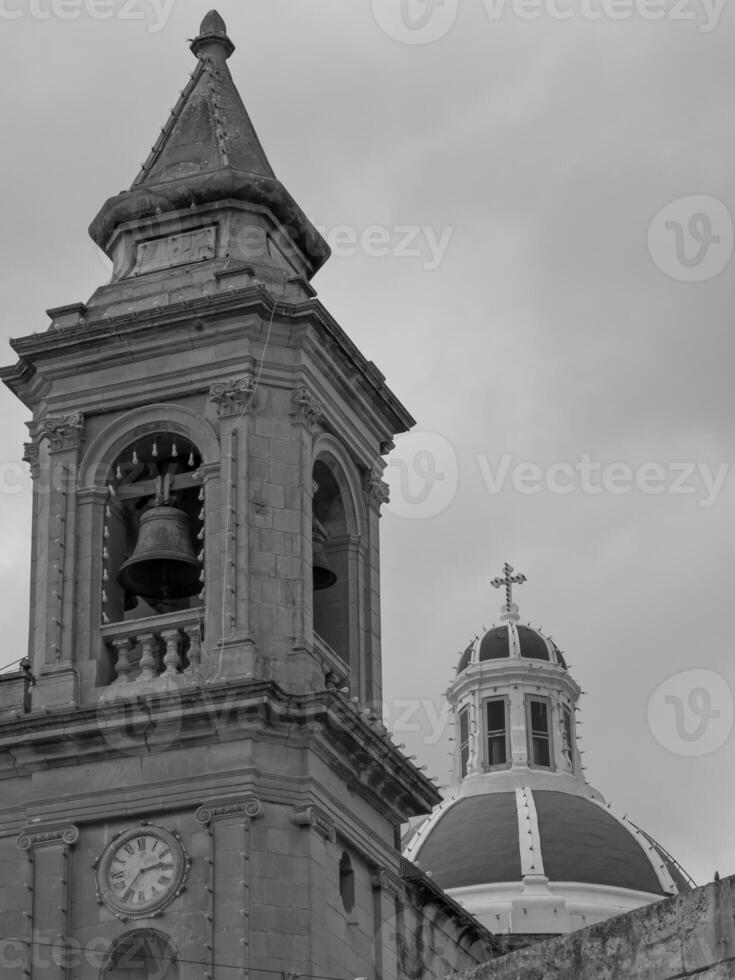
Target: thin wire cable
x: 14, y: 664
x: 78, y: 948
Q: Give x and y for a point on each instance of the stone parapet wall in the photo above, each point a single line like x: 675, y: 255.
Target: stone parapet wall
x: 690, y: 936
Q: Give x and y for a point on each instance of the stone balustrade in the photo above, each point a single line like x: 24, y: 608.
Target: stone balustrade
x: 158, y: 646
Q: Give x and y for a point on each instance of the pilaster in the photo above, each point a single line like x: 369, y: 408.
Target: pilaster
x: 48, y: 850
x: 235, y: 401
x: 388, y: 892
x: 91, y: 502
x: 306, y: 415
x: 227, y: 824
x: 57, y: 595
x: 65, y: 435
x: 32, y: 456
x: 377, y: 494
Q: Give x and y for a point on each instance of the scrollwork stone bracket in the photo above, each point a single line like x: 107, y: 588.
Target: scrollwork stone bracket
x: 307, y: 410
x: 388, y: 882
x: 250, y: 807
x: 31, y: 455
x: 312, y: 816
x: 234, y: 397
x: 63, y: 431
x: 40, y: 836
x: 377, y: 490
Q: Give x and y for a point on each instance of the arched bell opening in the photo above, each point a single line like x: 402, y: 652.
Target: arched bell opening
x: 332, y: 569
x: 153, y: 535
x: 143, y: 954
x: 152, y: 558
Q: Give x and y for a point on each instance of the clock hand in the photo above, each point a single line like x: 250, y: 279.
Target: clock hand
x: 151, y: 867
x: 159, y: 864
x: 133, y: 883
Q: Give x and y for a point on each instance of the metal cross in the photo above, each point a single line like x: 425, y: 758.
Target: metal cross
x: 508, y: 580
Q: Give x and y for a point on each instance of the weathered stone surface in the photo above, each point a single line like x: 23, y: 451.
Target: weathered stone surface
x: 690, y: 936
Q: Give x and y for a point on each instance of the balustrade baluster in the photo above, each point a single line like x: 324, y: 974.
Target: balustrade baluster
x: 148, y: 665
x: 171, y: 660
x: 122, y: 663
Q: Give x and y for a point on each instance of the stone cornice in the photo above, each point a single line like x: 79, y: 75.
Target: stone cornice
x: 98, y: 333
x: 493, y: 677
x: 417, y: 880
x: 324, y: 722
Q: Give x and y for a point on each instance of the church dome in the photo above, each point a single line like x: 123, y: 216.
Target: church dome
x: 511, y: 639
x: 527, y: 844
x: 477, y: 840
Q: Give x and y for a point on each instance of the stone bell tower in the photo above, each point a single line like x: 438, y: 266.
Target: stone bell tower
x: 206, y: 376
x: 195, y: 780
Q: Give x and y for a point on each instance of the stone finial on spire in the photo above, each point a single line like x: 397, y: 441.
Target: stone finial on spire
x: 212, y: 37
x: 508, y: 580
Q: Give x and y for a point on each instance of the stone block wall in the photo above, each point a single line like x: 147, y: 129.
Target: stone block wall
x: 690, y: 937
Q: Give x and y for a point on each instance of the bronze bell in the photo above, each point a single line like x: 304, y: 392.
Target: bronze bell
x: 324, y: 577
x: 163, y: 564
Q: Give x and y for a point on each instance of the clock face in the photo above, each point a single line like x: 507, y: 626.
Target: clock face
x: 141, y: 871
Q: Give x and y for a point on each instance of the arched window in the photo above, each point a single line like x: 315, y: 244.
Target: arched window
x: 346, y: 883
x: 335, y: 559
x: 144, y: 954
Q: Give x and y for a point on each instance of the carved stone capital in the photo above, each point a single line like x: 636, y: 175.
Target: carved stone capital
x: 376, y: 489
x: 38, y: 837
x: 306, y: 409
x: 31, y: 456
x: 234, y: 397
x: 312, y: 816
x: 63, y: 431
x: 249, y: 806
x: 388, y: 882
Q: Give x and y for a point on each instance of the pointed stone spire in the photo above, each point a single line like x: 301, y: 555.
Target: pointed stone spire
x: 208, y: 152
x: 209, y: 127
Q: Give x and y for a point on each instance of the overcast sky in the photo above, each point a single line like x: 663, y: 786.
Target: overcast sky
x: 525, y: 160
